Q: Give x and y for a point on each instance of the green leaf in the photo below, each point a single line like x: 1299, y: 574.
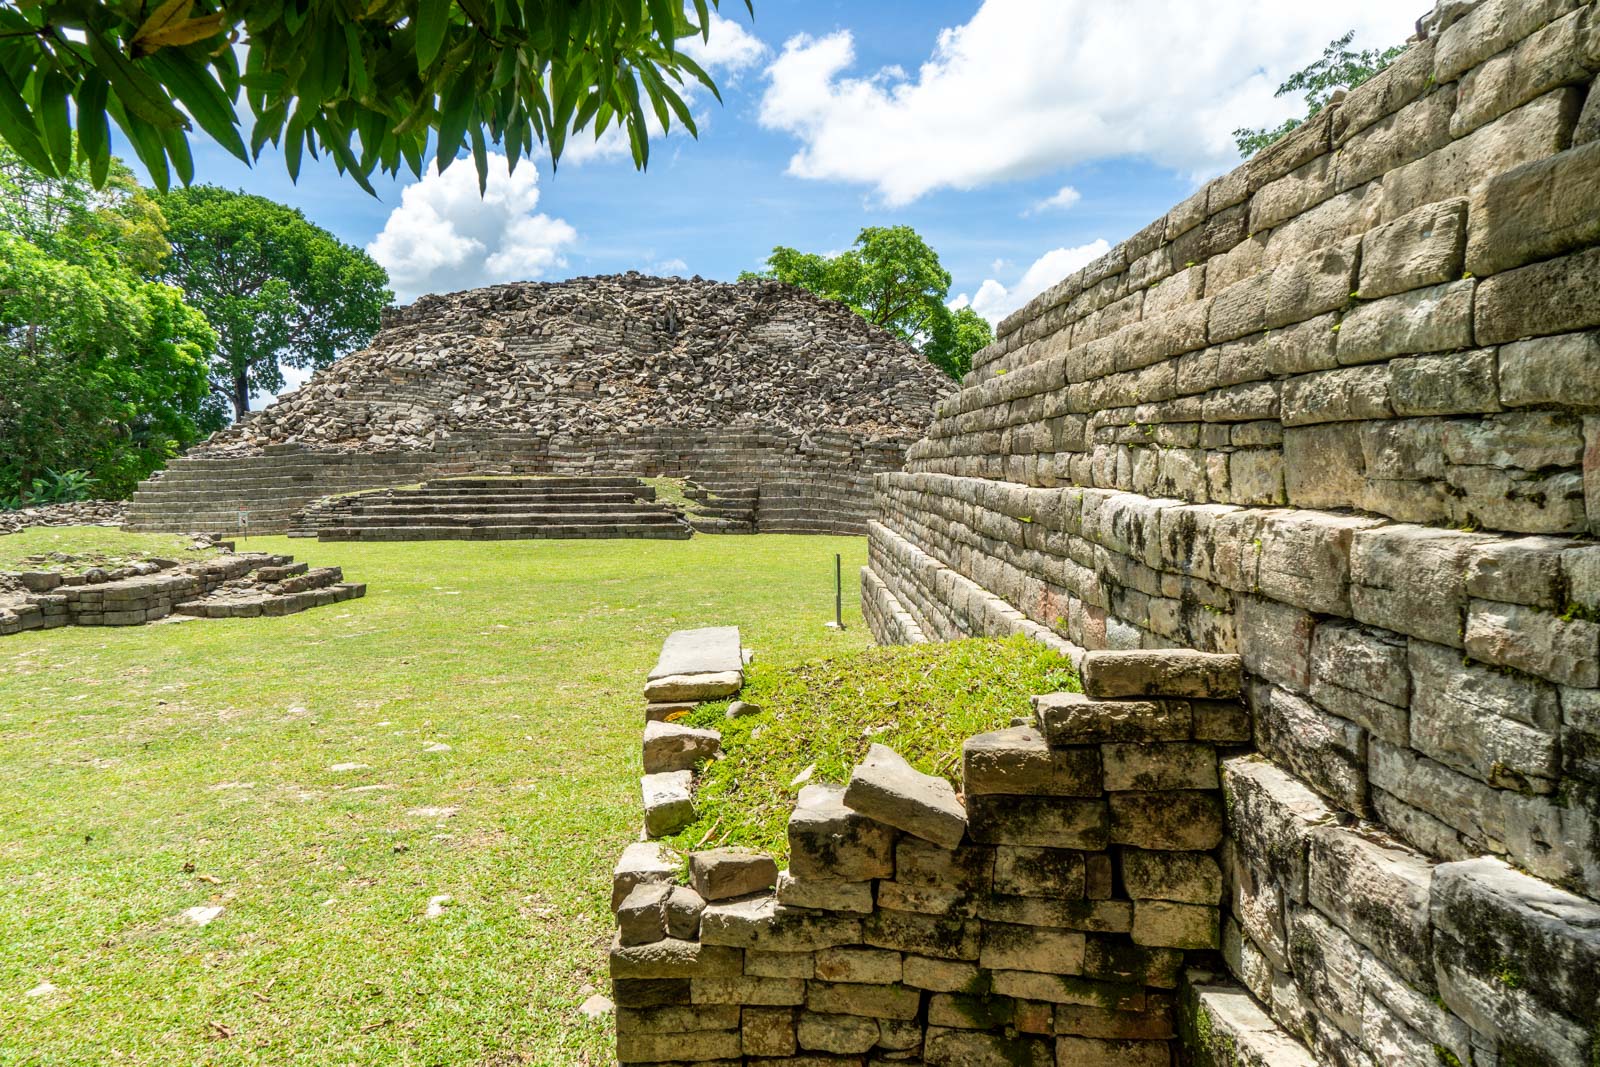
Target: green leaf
x: 480, y: 157
x: 664, y: 18
x: 176, y: 143
x: 145, y: 140
x: 453, y: 120
x: 94, y: 132
x: 18, y: 127
x: 138, y: 92
x: 433, y: 19
x: 55, y: 119
x: 204, y: 98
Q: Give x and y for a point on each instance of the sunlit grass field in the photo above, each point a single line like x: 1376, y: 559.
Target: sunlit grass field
x: 469, y: 730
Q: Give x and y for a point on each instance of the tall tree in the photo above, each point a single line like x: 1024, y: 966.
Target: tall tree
x: 371, y: 85
x: 1339, y: 68
x: 101, y: 369
x: 279, y: 290
x: 891, y: 278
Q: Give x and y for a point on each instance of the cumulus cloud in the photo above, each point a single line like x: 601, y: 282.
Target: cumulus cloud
x: 994, y: 300
x: 1060, y: 201
x: 444, y: 237
x: 731, y: 51
x: 1030, y: 86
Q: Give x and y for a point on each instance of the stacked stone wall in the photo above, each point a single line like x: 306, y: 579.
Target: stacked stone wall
x: 1338, y: 413
x: 817, y: 483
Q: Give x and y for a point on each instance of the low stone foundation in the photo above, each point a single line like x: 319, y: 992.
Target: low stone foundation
x: 1045, y: 920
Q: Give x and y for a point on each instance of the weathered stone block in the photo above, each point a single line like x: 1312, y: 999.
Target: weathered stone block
x: 872, y: 1001
x: 1270, y: 817
x: 748, y: 991
x: 1362, y: 675
x: 1096, y: 916
x: 836, y: 1033
x: 1325, y: 750
x: 1412, y: 579
x: 865, y: 965
x: 1185, y: 877
x: 761, y: 923
x: 887, y: 789
x: 642, y: 917
x: 1500, y: 728
x: 1164, y: 673
x: 1167, y: 924
x: 1039, y: 872
x: 650, y: 992
x: 1536, y: 211
x: 1275, y: 640
x: 682, y: 908
x: 1044, y: 822
x: 1422, y: 248
x: 1343, y: 395
x: 1436, y: 319
x: 676, y: 687
x: 641, y: 862
x: 1019, y: 761
x: 1068, y: 719
x: 670, y: 747
x: 1562, y: 370
x: 1555, y: 296
x: 960, y: 1048
x: 1082, y: 1020
x: 768, y: 1032
x: 668, y: 803
x: 1326, y: 966
x: 1312, y: 285
x: 672, y: 958
x: 1459, y: 383
x: 698, y: 1045
x: 824, y: 894
x: 922, y: 935
x: 1150, y: 767
x: 1176, y: 821
x: 829, y: 841
x: 1564, y: 650
x: 758, y: 964
x: 725, y: 873
x: 1377, y: 891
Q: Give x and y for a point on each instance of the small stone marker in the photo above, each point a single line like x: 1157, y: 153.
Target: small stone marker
x: 596, y: 1007
x: 668, y: 710
x: 203, y: 915
x: 886, y: 788
x: 741, y: 708
x: 668, y: 805
x: 670, y: 747
x: 725, y: 873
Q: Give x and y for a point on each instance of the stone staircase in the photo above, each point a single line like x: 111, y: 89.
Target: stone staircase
x: 728, y: 510
x: 494, y: 509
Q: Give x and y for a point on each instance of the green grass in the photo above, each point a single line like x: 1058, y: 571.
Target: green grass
x: 155, y: 769
x: 922, y: 701
x: 95, y: 546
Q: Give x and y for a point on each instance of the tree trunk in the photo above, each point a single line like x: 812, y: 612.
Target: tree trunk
x: 241, y: 395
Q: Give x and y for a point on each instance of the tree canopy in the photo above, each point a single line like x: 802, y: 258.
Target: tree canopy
x: 891, y: 278
x: 370, y: 85
x: 101, y: 369
x: 279, y: 290
x: 1339, y: 68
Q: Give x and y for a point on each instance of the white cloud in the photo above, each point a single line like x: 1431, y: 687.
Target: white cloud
x: 730, y: 52
x: 994, y: 300
x: 1061, y: 201
x: 444, y: 237
x: 668, y: 268
x: 1030, y: 86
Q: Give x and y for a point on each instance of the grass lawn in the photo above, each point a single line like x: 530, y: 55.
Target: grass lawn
x: 90, y: 546
x: 157, y: 769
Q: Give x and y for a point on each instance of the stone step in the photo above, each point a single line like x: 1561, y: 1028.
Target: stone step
x: 661, y: 531
x: 541, y: 517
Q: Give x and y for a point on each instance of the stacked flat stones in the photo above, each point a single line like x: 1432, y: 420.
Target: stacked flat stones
x: 80, y: 513
x: 230, y: 586
x: 1047, y: 920
x: 1338, y: 412
x: 695, y: 666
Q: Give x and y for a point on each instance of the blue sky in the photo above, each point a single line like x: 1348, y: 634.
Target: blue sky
x: 962, y: 119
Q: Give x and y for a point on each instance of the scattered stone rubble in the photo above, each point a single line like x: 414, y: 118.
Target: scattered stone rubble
x: 604, y: 355
x: 1050, y: 915
x: 228, y: 586
x: 79, y: 513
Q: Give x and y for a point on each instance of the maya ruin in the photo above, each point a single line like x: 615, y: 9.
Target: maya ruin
x: 1207, y: 677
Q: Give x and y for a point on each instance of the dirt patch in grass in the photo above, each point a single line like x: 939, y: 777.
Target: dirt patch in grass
x: 922, y: 701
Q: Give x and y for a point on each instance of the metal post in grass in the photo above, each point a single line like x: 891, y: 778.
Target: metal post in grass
x: 838, y: 593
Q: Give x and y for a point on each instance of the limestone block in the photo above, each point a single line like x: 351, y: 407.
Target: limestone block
x: 1397, y: 85
x: 921, y: 863
x: 1175, y: 821
x: 1237, y: 1031
x: 762, y: 923
x: 1097, y: 916
x: 887, y: 789
x: 1490, y: 27
x: 1518, y: 499
x: 1517, y: 959
x: 956, y: 1048
x: 682, y: 909
x: 668, y: 711
x: 678, y: 687
x: 698, y: 1045
x: 1082, y: 1020
x: 1342, y: 395
x: 1167, y: 924
x: 1435, y: 319
x: 1164, y: 673
x: 922, y: 935
x: 1562, y: 370
x: 1313, y: 285
x: 642, y: 918
x: 1324, y: 465
x: 1555, y: 296
x: 1074, y: 719
x: 824, y: 894
x: 1327, y: 967
x: 1042, y: 822
x: 1220, y: 720
x: 1275, y: 641
x: 1362, y: 674
x: 1151, y: 767
x: 1305, y: 559
x: 677, y: 1019
x: 1410, y: 133
x: 709, y: 650
x: 836, y: 1033
x: 672, y: 958
x: 668, y: 805
x: 1040, y: 872
x: 650, y: 992
x: 724, y: 873
x: 1564, y: 650
x: 1326, y: 751
x: 1116, y: 960
x: 1421, y: 248
x: 1458, y: 383
x: 670, y: 747
x: 1500, y: 728
x: 641, y: 862
x: 1183, y: 877
x: 1290, y: 152
x: 871, y: 1001
x: 1376, y: 891
x: 1026, y: 948
x: 1240, y: 309
x: 744, y: 990
x: 1566, y: 51
x: 1412, y: 579
x: 941, y: 976
x: 768, y: 1032
x: 758, y: 964
x: 869, y: 965
x: 829, y: 841
x: 1270, y: 817
x: 1523, y: 570
x: 1018, y: 760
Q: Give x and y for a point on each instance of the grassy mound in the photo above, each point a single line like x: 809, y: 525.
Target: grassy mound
x: 922, y: 701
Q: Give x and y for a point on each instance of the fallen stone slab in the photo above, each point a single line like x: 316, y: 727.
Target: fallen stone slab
x: 676, y: 687
x: 886, y: 788
x: 668, y: 804
x: 710, y: 650
x: 725, y: 873
x: 671, y: 747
